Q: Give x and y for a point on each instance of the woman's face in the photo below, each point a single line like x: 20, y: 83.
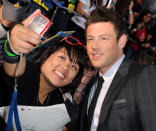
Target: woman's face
x: 147, y: 17
x: 58, y: 69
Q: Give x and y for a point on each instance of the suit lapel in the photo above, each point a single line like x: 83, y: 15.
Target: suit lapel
x: 113, y: 91
x: 91, y: 85
x: 84, y: 120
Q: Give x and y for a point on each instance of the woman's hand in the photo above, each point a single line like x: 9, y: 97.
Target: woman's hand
x: 22, y: 37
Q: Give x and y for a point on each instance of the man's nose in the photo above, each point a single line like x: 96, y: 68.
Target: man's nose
x: 95, y: 44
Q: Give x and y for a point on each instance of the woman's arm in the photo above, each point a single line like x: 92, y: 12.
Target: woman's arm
x: 131, y: 17
x: 20, y: 41
x: 79, y: 9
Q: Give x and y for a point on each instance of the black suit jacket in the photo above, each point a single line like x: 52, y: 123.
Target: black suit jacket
x: 130, y: 103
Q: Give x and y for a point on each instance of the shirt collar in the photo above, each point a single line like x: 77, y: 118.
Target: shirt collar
x: 112, y: 71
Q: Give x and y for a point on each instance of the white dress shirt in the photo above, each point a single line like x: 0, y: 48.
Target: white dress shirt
x: 108, y: 77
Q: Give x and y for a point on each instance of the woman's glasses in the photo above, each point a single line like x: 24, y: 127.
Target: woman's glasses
x: 73, y: 41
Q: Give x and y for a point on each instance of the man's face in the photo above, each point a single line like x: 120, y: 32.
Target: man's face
x: 58, y: 69
x: 102, y: 45
x: 5, y: 22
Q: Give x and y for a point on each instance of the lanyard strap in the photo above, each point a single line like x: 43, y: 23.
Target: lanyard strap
x: 13, y: 105
x: 13, y: 109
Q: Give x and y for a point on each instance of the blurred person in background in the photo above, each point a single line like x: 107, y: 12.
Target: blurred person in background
x: 77, y: 23
x: 133, y: 12
x: 138, y: 35
x: 11, y: 12
x: 80, y: 92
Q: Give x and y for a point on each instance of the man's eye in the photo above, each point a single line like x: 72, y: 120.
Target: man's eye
x: 104, y: 38
x: 62, y: 57
x: 89, y: 39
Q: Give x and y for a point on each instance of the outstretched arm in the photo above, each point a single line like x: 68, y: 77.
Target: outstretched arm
x: 20, y: 41
x: 79, y: 9
x: 131, y: 19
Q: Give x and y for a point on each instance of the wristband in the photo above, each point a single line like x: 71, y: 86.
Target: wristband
x: 8, y: 55
x: 11, y: 49
x: 6, y: 48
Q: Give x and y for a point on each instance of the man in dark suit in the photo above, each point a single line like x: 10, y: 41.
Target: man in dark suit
x: 127, y: 98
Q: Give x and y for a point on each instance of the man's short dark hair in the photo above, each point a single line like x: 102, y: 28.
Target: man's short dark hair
x: 108, y: 15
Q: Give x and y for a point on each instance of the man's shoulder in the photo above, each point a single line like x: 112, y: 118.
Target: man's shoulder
x: 139, y: 66
x: 136, y: 68
x: 142, y: 72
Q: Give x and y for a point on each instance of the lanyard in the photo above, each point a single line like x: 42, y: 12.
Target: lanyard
x: 13, y: 105
x: 13, y: 109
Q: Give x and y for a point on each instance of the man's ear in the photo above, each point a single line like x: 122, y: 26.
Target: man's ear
x: 122, y: 41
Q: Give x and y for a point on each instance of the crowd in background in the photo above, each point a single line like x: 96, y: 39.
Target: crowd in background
x: 140, y: 21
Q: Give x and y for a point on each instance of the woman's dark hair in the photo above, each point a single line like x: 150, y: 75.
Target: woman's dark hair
x: 108, y: 15
x: 140, y: 17
x: 76, y: 54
